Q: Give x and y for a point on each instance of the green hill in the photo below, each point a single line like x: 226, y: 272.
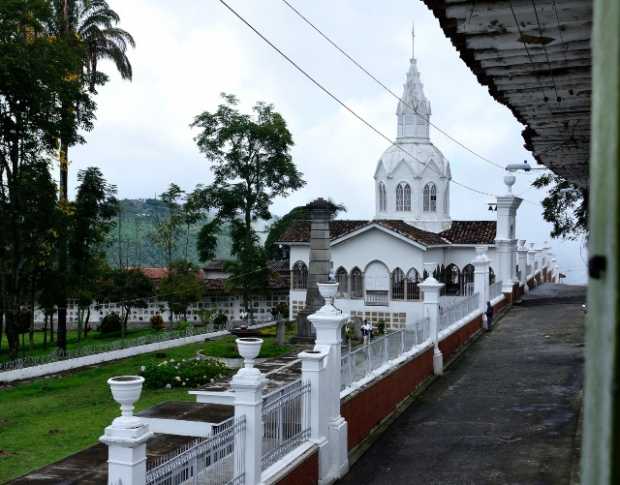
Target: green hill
x: 130, y: 241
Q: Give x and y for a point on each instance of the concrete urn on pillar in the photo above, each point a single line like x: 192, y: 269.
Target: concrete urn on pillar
x: 431, y: 288
x: 505, y: 239
x: 328, y: 322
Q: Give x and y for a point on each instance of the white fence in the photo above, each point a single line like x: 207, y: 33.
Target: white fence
x: 218, y: 460
x: 361, y: 362
x: 495, y: 290
x: 286, y: 421
x: 457, y: 311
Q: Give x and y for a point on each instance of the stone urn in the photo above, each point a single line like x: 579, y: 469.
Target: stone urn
x: 126, y: 391
x: 249, y: 348
x: 328, y: 291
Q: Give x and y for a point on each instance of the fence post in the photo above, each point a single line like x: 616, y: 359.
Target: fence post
x: 328, y: 322
x: 431, y: 288
x: 522, y: 262
x: 313, y: 370
x: 481, y: 276
x: 126, y: 437
x: 247, y: 385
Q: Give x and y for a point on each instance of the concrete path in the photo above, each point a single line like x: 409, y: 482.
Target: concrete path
x: 506, y: 412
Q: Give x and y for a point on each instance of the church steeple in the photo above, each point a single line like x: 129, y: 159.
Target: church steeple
x: 414, y: 113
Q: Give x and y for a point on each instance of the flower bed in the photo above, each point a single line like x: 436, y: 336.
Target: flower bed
x: 182, y: 373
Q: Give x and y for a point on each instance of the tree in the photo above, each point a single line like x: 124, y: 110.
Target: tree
x: 566, y: 206
x: 91, y: 221
x: 278, y: 228
x: 130, y: 287
x: 250, y: 160
x: 181, y: 287
x: 168, y: 229
x: 89, y: 27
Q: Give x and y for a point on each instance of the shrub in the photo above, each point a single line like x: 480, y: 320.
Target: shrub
x: 111, y: 323
x: 381, y: 327
x: 183, y: 325
x: 157, y: 323
x: 182, y: 373
x: 220, y: 320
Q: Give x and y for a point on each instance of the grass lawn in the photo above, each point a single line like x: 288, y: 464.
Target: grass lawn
x: 46, y: 419
x: 94, y: 338
x: 226, y: 347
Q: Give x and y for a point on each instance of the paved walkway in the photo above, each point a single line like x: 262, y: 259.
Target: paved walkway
x: 506, y: 412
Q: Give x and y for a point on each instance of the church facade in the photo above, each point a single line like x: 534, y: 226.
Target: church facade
x: 380, y: 262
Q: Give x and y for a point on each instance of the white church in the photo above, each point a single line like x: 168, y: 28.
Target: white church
x: 380, y: 262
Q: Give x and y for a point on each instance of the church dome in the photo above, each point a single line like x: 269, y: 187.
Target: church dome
x: 412, y: 178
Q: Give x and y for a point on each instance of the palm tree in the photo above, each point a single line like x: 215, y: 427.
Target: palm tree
x: 91, y: 26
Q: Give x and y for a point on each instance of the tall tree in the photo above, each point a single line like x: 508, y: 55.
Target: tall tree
x: 90, y: 27
x: 167, y: 228
x: 91, y: 220
x: 565, y: 206
x: 251, y: 161
x: 181, y: 287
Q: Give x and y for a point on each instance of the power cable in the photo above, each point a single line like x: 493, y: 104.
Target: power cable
x: 341, y: 103
x: 380, y: 83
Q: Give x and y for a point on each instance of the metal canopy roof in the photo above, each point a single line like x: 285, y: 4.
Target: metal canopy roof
x: 535, y: 58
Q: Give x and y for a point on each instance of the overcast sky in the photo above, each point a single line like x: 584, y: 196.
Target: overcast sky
x: 189, y: 51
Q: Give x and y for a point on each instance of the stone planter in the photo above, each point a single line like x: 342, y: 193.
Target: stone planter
x: 126, y: 391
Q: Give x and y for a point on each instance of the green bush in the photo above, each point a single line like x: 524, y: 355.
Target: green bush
x: 381, y: 327
x: 182, y: 373
x: 183, y: 325
x: 111, y: 323
x: 220, y: 320
x: 157, y: 323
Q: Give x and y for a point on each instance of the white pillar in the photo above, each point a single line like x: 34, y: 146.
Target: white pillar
x: 531, y: 257
x: 328, y: 322
x: 505, y: 241
x: 126, y: 437
x: 556, y: 270
x: 314, y: 371
x: 247, y: 385
x: 522, y: 262
x: 431, y: 288
x: 481, y: 275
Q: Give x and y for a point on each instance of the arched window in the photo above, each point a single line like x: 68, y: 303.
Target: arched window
x: 413, y: 279
x: 398, y: 284
x: 491, y: 276
x: 468, y: 280
x: 430, y: 197
x: 300, y: 276
x: 403, y: 197
x: 382, y: 197
x: 452, y: 279
x: 343, y: 281
x: 356, y: 283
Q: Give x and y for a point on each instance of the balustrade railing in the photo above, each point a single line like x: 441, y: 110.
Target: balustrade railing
x: 458, y: 310
x: 286, y: 421
x: 376, y: 298
x: 217, y: 460
x: 495, y: 290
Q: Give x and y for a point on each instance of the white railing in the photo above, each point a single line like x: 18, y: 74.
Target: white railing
x: 455, y: 312
x: 376, y: 298
x: 286, y: 421
x: 217, y: 460
x: 495, y: 290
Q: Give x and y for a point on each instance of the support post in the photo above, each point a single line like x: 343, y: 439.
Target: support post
x: 481, y: 276
x: 431, y: 288
x: 328, y: 322
x: 247, y: 385
x: 505, y: 241
x: 522, y: 262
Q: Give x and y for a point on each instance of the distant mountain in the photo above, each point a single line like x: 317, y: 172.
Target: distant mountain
x: 134, y: 227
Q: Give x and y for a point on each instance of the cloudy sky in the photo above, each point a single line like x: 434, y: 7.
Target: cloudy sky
x: 189, y: 51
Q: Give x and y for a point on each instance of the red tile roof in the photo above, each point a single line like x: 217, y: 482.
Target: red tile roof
x: 461, y: 232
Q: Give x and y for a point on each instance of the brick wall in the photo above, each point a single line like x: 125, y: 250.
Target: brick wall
x: 306, y: 473
x: 450, y: 345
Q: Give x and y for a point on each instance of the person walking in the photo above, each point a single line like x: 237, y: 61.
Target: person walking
x: 489, y: 315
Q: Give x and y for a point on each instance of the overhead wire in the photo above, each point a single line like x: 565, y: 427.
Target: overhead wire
x: 390, y: 91
x: 340, y: 102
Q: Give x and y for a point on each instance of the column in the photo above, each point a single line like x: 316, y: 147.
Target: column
x: 503, y: 249
x: 314, y: 371
x: 247, y: 385
x: 531, y: 259
x: 126, y: 437
x: 328, y: 322
x: 481, y: 275
x: 431, y: 288
x: 505, y: 241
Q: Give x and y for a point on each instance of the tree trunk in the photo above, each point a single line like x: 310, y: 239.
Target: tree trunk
x: 52, y: 327
x: 124, y: 323
x: 281, y: 332
x: 86, y: 323
x: 61, y: 334
x: 32, y: 309
x: 45, y: 319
